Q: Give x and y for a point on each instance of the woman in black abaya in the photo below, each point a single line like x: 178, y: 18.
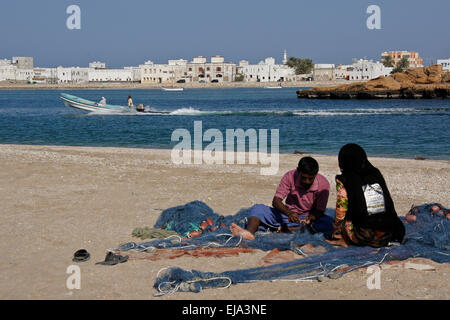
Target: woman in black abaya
x: 365, y: 212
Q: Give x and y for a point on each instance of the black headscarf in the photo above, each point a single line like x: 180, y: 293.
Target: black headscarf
x: 357, y: 171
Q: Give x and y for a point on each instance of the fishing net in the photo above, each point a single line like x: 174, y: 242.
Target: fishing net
x: 426, y: 237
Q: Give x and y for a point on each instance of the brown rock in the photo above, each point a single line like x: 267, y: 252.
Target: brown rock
x: 446, y: 77
x: 382, y: 83
x: 427, y: 82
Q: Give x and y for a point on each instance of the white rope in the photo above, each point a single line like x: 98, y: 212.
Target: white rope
x: 163, y: 292
x: 299, y: 251
x: 215, y: 278
x: 157, y: 275
x: 174, y: 235
x: 239, y: 242
x: 383, y: 258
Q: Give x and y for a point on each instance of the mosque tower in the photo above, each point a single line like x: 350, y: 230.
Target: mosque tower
x: 285, y: 57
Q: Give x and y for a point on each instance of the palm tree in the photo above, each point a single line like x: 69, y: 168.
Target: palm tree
x: 301, y: 65
x: 402, y: 65
x: 387, y: 61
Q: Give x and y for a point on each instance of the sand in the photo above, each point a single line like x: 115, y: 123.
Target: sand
x: 56, y: 200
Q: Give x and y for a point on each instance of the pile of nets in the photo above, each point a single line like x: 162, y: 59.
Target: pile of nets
x: 427, y: 236
x: 185, y: 220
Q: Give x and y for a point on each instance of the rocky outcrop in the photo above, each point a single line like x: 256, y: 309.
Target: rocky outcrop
x: 419, y: 83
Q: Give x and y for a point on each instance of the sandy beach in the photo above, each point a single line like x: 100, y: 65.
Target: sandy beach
x: 58, y: 199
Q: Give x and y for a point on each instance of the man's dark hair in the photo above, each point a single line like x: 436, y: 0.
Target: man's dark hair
x: 308, y: 165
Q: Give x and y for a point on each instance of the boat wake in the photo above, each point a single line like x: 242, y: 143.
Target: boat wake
x: 190, y: 111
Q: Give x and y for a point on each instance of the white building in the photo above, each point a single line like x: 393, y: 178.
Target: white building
x: 445, y: 64
x: 163, y: 73
x: 266, y: 71
x: 217, y: 70
x: 324, y: 71
x: 64, y: 75
x: 24, y: 75
x: 72, y: 74
x: 23, y: 62
x: 45, y: 75
x: 136, y: 71
x: 97, y: 65
x: 182, y: 71
x: 17, y: 69
x: 110, y: 75
x: 342, y: 71
x: 367, y: 70
x: 80, y: 75
x: 7, y: 70
x: 5, y: 62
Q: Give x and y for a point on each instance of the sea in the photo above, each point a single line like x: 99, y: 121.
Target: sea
x: 388, y: 128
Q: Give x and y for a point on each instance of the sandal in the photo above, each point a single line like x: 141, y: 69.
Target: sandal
x: 113, y: 259
x: 81, y: 255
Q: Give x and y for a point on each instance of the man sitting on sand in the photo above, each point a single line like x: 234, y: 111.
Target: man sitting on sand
x: 306, y: 193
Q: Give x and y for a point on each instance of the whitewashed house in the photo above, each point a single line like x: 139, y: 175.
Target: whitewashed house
x: 136, y: 71
x: 367, y: 70
x: 324, y: 71
x: 341, y: 71
x: 45, y: 75
x: 266, y: 71
x: 80, y: 75
x: 7, y: 70
x: 445, y: 64
x: 163, y: 73
x: 24, y: 75
x: 217, y: 70
x: 64, y: 75
x: 97, y: 65
x: 110, y: 75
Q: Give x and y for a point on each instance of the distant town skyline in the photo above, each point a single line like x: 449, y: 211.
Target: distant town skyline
x: 130, y: 33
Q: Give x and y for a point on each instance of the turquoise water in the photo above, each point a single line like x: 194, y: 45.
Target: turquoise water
x: 395, y: 128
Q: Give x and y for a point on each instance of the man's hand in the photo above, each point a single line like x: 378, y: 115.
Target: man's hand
x: 307, y: 220
x: 278, y: 204
x: 293, y: 217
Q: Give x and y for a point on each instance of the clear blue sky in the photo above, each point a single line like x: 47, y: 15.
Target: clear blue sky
x: 124, y: 33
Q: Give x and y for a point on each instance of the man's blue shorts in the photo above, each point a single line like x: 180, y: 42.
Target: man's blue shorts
x: 272, y: 218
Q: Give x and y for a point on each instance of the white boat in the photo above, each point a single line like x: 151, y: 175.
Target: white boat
x: 172, y: 89
x: 273, y: 87
x: 87, y: 105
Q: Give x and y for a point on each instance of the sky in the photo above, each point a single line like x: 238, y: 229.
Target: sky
x: 128, y: 33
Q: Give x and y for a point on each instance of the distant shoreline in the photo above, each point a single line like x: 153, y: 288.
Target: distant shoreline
x: 115, y: 86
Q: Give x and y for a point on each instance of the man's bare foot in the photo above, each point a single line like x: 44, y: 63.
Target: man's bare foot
x: 238, y: 231
x: 339, y: 242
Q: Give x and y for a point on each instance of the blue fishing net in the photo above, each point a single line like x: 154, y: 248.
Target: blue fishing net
x: 427, y: 237
x: 187, y: 218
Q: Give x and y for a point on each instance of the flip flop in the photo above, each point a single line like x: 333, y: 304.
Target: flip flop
x: 113, y: 259
x: 81, y: 255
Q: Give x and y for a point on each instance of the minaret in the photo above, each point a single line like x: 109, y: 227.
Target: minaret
x: 285, y: 57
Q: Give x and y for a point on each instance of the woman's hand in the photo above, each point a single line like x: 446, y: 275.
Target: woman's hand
x: 336, y: 235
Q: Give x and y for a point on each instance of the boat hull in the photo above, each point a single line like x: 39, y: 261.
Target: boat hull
x: 172, y: 89
x: 87, y: 105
